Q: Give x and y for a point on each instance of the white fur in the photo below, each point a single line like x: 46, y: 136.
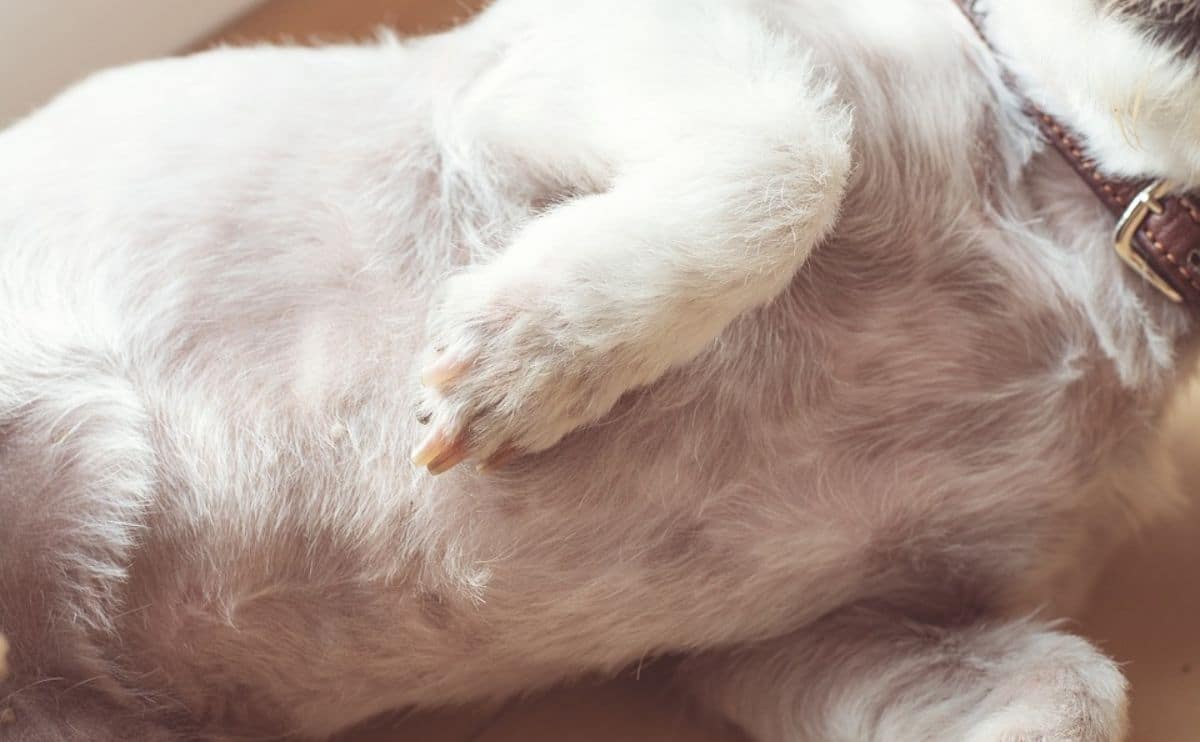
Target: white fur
x: 1136, y: 101
x: 823, y: 367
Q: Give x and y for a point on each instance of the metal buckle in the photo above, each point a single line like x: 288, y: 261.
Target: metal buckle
x: 1139, y: 209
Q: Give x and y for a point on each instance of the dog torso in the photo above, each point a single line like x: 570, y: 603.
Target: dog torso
x: 215, y: 279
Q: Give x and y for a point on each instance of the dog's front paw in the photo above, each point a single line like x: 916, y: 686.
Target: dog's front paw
x: 515, y: 361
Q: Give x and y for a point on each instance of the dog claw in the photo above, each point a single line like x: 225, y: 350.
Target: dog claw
x: 433, y: 448
x: 443, y: 371
x: 447, y: 460
x: 439, y: 453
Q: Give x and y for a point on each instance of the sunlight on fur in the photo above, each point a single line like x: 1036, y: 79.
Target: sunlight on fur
x: 792, y: 346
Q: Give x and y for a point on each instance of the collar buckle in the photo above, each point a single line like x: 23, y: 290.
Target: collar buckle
x: 1148, y: 201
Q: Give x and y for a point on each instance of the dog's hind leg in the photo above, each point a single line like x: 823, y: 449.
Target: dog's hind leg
x: 858, y: 677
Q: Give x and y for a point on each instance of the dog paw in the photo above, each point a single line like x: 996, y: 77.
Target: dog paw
x: 517, y: 358
x: 1018, y: 728
x: 1093, y: 710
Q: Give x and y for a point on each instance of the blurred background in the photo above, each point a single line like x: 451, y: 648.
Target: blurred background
x: 45, y: 45
x: 1145, y: 610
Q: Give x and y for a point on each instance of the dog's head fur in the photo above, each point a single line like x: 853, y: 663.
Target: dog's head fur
x: 1175, y: 23
x: 1125, y: 73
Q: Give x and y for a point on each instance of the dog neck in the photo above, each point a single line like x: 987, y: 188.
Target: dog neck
x: 1157, y: 231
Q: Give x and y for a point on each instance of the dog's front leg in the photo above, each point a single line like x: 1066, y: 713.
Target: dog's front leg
x: 721, y: 161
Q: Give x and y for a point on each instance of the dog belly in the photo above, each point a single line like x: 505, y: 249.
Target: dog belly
x: 332, y: 564
x: 255, y: 347
x: 258, y: 346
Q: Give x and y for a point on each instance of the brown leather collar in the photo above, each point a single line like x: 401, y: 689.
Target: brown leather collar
x: 1158, y: 229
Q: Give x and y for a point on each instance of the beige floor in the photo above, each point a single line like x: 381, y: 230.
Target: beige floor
x: 1144, y: 612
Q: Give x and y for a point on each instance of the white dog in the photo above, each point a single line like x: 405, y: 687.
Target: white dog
x: 785, y: 340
